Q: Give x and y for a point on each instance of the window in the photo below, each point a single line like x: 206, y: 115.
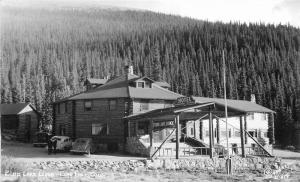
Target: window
x: 58, y: 108
x: 253, y: 133
x: 62, y: 129
x: 266, y: 134
x: 251, y: 116
x: 100, y: 129
x: 207, y: 133
x: 140, y: 84
x: 223, y: 133
x: 87, y: 105
x: 112, y: 105
x: 147, y: 84
x: 67, y: 110
x: 144, y: 105
x: 264, y: 116
x: 62, y: 108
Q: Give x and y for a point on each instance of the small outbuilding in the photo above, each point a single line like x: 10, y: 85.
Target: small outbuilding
x: 20, y: 119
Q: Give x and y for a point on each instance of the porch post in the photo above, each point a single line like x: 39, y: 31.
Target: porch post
x: 195, y: 129
x: 201, y: 129
x: 245, y: 126
x: 151, y: 133
x: 128, y: 128
x: 136, y: 128
x: 271, y: 128
x: 218, y: 130
x: 210, y: 135
x: 177, y: 136
x: 242, y: 136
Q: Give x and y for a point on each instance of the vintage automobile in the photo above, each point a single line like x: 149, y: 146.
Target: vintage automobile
x: 64, y: 143
x: 41, y: 139
x: 82, y: 146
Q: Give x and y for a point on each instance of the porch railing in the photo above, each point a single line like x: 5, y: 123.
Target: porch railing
x: 183, y: 151
x: 204, y: 151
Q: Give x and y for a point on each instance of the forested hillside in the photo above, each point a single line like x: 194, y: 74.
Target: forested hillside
x: 47, y: 55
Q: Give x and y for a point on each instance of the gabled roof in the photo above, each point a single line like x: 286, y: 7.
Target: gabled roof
x: 13, y: 109
x: 96, y: 81
x: 120, y: 87
x: 239, y: 105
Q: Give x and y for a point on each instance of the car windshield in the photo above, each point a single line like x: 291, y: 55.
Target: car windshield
x: 56, y: 138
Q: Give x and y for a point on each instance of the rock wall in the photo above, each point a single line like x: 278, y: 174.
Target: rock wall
x: 240, y: 165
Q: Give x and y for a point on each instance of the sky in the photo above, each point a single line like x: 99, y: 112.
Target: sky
x: 266, y: 11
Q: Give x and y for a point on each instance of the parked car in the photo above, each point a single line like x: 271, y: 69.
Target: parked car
x: 82, y: 146
x: 64, y: 143
x: 41, y: 139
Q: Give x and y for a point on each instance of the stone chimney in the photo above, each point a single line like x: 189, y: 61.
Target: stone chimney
x: 129, y: 70
x: 253, y: 98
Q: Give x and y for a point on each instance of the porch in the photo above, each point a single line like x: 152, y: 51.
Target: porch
x: 162, y: 132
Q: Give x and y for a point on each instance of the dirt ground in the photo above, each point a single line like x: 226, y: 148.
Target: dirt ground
x: 26, y: 153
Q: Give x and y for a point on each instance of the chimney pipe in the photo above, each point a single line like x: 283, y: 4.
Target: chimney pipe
x: 129, y: 70
x: 253, y: 99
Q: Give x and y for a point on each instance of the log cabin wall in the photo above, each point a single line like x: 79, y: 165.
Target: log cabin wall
x: 101, y: 112
x: 63, y: 119
x: 28, y: 122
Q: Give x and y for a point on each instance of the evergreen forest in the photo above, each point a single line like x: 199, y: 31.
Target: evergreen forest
x: 46, y: 55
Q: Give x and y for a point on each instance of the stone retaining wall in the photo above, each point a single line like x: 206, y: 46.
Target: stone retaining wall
x: 202, y: 164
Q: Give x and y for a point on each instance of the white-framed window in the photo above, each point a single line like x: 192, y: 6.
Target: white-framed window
x: 140, y: 84
x: 144, y: 105
x: 264, y: 116
x: 87, y: 105
x: 100, y: 129
x: 253, y: 133
x: 251, y: 116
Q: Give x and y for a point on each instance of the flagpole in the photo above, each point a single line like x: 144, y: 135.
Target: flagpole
x: 228, y: 162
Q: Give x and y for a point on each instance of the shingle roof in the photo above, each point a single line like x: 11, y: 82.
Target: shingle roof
x: 120, y: 87
x: 10, y: 109
x: 239, y: 105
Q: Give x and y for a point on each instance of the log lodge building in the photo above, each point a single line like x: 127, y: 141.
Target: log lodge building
x: 138, y: 115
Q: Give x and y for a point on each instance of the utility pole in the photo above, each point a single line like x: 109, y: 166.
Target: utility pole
x: 228, y: 160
